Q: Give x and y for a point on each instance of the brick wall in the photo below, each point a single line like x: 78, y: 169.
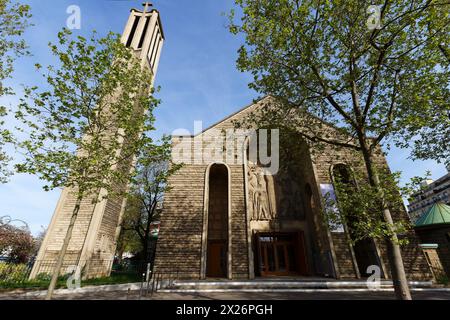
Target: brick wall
x: 440, y: 236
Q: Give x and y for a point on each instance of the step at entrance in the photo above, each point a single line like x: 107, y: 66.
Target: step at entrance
x: 277, y: 286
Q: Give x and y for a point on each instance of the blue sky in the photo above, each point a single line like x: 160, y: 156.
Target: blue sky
x: 197, y: 75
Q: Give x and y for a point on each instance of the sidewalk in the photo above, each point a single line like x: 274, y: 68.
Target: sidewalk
x: 421, y: 294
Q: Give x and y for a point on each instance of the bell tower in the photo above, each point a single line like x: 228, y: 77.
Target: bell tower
x: 144, y: 34
x: 94, y: 237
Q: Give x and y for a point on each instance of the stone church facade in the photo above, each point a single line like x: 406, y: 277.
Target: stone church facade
x: 222, y: 218
x: 232, y: 220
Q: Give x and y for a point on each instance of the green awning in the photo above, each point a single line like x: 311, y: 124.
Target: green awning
x: 439, y: 213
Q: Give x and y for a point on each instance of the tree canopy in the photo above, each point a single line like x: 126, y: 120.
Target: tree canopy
x: 323, y: 57
x: 94, y: 118
x: 150, y: 183
x: 374, y: 72
x: 14, y: 20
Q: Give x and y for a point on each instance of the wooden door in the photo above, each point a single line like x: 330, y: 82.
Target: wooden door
x: 301, y: 254
x: 281, y: 254
x: 217, y: 259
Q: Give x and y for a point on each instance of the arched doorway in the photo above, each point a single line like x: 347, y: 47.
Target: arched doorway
x: 365, y: 252
x: 217, y: 243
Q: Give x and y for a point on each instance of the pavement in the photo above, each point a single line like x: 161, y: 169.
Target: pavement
x: 422, y: 294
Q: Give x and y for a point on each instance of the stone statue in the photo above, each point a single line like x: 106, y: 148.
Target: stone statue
x: 263, y: 198
x: 265, y: 203
x: 261, y: 194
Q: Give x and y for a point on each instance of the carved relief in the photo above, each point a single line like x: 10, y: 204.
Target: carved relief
x: 290, y: 198
x: 272, y: 197
x: 261, y: 194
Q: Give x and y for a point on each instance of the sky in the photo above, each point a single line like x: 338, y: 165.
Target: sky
x: 197, y: 75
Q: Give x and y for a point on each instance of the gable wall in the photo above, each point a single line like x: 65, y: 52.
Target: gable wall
x: 180, y: 241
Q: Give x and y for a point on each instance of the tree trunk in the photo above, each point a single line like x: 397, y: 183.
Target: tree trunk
x: 147, y: 235
x: 62, y: 253
x: 120, y: 256
x: 395, y: 258
x: 145, y: 249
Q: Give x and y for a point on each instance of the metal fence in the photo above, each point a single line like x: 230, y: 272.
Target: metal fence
x: 152, y: 282
x: 12, y: 274
x: 17, y: 276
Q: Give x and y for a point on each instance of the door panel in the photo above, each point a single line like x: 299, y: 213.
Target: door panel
x: 217, y: 258
x: 270, y: 257
x: 282, y: 259
x: 301, y: 260
x: 366, y: 255
x: 281, y: 253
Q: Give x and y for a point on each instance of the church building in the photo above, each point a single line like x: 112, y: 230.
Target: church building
x: 232, y: 212
x: 227, y: 216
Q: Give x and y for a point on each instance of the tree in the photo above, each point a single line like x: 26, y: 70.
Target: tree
x: 371, y: 76
x: 415, y: 185
x: 85, y: 130
x: 15, y: 242
x: 147, y: 191
x: 13, y: 23
x: 129, y: 240
x: 38, y: 241
x: 428, y: 135
x: 357, y: 204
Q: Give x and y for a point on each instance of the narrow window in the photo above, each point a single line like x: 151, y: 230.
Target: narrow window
x: 217, y: 240
x: 133, y: 30
x: 141, y: 42
x: 156, y: 52
x: 154, y: 43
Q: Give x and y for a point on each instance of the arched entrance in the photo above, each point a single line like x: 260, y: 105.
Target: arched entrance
x: 365, y: 252
x: 217, y: 244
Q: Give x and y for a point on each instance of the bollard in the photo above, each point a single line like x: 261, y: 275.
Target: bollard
x: 153, y: 282
x: 142, y: 285
x: 147, y: 277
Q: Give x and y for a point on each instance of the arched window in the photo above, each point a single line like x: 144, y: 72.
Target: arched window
x: 216, y: 243
x: 364, y: 248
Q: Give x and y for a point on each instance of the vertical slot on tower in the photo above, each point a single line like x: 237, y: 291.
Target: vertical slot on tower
x: 158, y: 47
x: 152, y: 40
x: 144, y: 32
x: 133, y: 30
x: 153, y: 46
